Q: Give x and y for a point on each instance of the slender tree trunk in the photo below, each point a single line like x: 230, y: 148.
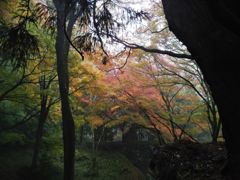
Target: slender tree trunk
x: 217, y: 123
x: 175, y: 137
x: 216, y: 127
x: 39, y: 132
x: 94, y: 149
x: 62, y: 50
x: 81, y: 131
x: 42, y: 119
x: 160, y: 138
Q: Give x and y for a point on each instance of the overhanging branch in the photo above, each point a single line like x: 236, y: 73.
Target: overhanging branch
x: 152, y: 50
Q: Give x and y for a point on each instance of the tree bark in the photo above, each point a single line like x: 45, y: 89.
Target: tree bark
x: 62, y: 50
x: 45, y: 107
x: 39, y: 133
x: 210, y: 30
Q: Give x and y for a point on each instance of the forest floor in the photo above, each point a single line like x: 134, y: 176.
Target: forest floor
x: 178, y: 161
x: 183, y: 160
x: 189, y: 161
x: 15, y: 165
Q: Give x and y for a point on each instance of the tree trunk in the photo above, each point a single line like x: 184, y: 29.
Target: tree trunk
x: 130, y: 137
x: 42, y: 119
x: 210, y: 30
x: 160, y: 138
x: 81, y: 131
x: 39, y: 132
x: 62, y: 50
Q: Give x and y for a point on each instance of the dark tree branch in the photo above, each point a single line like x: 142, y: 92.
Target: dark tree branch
x: 122, y: 66
x: 151, y: 50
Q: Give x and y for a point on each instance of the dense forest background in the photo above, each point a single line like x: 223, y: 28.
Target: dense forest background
x: 102, y: 86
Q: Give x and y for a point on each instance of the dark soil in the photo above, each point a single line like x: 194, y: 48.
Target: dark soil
x: 188, y: 161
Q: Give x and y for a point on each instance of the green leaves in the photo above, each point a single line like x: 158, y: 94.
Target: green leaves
x: 17, y: 45
x: 12, y: 138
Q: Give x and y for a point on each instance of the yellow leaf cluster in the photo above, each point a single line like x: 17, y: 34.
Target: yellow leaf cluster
x: 95, y: 121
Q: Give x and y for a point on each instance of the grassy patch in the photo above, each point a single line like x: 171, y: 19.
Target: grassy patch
x: 109, y: 166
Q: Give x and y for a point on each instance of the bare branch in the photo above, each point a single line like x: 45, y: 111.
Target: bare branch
x: 151, y: 50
